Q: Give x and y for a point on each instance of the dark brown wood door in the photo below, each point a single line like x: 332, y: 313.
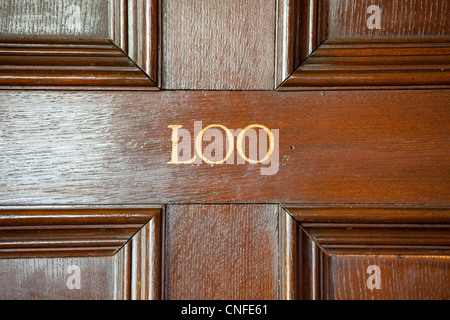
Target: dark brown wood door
x: 258, y: 149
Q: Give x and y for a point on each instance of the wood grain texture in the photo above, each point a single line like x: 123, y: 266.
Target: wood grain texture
x: 221, y: 252
x: 68, y: 231
x: 218, y: 45
x: 134, y: 27
x: 54, y: 18
x: 68, y: 64
x: 401, y: 277
x: 374, y: 65
x: 45, y: 279
x: 335, y: 147
x: 332, y: 246
x: 399, y: 19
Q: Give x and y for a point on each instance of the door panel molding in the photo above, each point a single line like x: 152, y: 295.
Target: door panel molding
x: 127, y: 62
x: 309, y: 59
x: 139, y: 264
x: 131, y: 235
x: 300, y: 30
x: 134, y: 27
x: 312, y: 235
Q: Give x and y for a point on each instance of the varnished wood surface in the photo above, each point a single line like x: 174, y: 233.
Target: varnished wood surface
x: 45, y: 279
x: 226, y: 46
x: 222, y: 252
x: 379, y: 148
x: 335, y: 147
x: 401, y: 277
x: 399, y: 19
x: 54, y: 18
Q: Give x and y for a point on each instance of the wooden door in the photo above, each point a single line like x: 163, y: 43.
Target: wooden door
x: 257, y: 149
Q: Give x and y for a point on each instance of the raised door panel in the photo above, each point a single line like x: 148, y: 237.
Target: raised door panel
x: 90, y: 252
x: 79, y: 45
x: 359, y: 253
x: 341, y: 45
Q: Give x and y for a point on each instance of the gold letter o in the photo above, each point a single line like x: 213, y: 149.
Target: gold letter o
x: 240, y: 140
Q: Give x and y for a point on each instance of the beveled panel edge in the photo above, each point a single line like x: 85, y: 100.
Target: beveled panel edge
x: 300, y: 29
x: 70, y: 231
x: 135, y: 27
x: 139, y: 264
